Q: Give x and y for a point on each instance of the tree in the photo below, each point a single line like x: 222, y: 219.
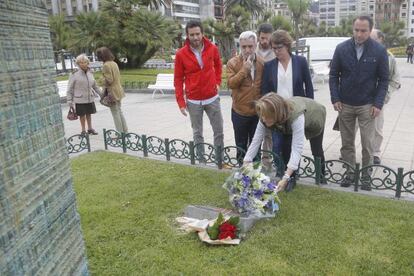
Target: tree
x: 145, y: 33
x: 141, y: 32
x: 280, y: 22
x: 252, y: 6
x: 60, y: 32
x: 225, y: 32
x: 309, y: 28
x: 93, y: 30
x: 298, y: 8
x: 394, y: 34
x: 155, y: 3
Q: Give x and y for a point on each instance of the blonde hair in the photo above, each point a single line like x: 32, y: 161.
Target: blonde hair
x: 273, y: 106
x: 82, y: 57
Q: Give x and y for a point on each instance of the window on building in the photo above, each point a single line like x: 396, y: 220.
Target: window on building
x: 403, y: 14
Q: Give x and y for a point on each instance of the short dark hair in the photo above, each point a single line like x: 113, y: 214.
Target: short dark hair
x: 265, y: 28
x: 104, y: 54
x: 367, y: 18
x: 193, y: 24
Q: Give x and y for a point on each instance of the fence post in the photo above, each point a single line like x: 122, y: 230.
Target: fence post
x: 318, y: 171
x: 124, y: 149
x: 399, y: 182
x: 105, y: 142
x: 144, y: 145
x: 88, y: 143
x: 167, y: 149
x: 356, y: 180
x: 219, y: 156
x: 192, y: 155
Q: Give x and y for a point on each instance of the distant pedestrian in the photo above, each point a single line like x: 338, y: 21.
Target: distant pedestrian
x: 244, y: 77
x: 393, y: 85
x: 197, y: 78
x: 81, y: 93
x: 358, y: 82
x: 112, y: 82
x: 409, y: 51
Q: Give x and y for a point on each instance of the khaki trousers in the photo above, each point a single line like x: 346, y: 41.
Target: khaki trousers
x: 347, y: 122
x: 378, y: 136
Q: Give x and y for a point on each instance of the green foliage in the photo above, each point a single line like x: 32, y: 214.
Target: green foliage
x: 281, y: 23
x: 127, y: 27
x: 145, y: 33
x: 60, y: 32
x: 298, y: 8
x: 128, y: 205
x: 228, y: 30
x: 394, y: 33
x: 213, y: 231
x: 93, y: 30
x: 252, y: 6
x: 234, y: 220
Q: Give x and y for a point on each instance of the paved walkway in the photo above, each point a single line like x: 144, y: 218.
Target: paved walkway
x: 161, y: 117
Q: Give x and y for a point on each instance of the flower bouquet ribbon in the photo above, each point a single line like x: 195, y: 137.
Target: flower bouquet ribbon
x: 220, y: 231
x: 252, y: 192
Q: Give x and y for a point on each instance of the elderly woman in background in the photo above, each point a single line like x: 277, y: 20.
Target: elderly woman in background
x: 81, y: 93
x: 112, y: 82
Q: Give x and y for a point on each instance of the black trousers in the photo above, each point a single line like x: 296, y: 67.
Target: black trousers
x: 316, y: 148
x: 244, y: 129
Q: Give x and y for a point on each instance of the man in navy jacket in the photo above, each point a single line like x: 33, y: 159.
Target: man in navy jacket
x: 358, y: 82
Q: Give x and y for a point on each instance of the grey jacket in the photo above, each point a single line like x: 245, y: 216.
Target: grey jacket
x: 82, y: 88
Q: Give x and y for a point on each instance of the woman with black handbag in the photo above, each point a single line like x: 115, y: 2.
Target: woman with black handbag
x: 113, y: 91
x: 81, y: 92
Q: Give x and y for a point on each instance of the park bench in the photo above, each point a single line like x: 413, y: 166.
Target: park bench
x: 62, y: 87
x: 320, y: 71
x: 163, y: 82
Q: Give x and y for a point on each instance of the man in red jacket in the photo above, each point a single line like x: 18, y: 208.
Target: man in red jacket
x: 198, y: 69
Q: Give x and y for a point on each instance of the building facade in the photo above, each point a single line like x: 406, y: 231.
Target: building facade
x: 71, y: 8
x: 333, y: 11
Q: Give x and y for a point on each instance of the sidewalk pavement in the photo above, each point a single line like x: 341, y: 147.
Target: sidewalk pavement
x: 161, y: 117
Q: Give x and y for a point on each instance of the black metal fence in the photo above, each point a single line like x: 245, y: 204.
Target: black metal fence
x: 376, y: 177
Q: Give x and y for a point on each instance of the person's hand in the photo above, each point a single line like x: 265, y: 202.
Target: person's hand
x: 183, y: 111
x: 375, y: 111
x: 247, y: 64
x: 338, y: 106
x: 218, y: 87
x: 281, y: 185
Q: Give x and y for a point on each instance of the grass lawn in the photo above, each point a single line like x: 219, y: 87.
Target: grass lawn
x: 128, y: 205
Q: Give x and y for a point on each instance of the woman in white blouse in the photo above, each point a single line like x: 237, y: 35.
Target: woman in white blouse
x: 299, y: 117
x: 289, y: 75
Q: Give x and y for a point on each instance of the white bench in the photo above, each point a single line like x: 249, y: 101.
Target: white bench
x: 320, y: 71
x: 62, y: 87
x: 163, y: 82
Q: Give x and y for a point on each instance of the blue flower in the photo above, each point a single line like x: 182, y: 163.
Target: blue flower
x: 242, y: 202
x: 271, y: 186
x: 258, y: 194
x: 246, y: 181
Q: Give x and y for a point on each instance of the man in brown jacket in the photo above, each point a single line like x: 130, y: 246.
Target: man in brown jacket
x: 244, y: 76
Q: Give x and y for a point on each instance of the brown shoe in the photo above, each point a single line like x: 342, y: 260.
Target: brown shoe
x: 92, y: 132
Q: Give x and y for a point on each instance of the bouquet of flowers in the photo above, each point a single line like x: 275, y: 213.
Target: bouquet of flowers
x: 223, y: 229
x: 251, y: 192
x: 220, y: 231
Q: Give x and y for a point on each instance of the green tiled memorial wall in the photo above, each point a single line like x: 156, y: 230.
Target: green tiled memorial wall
x: 40, y: 230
